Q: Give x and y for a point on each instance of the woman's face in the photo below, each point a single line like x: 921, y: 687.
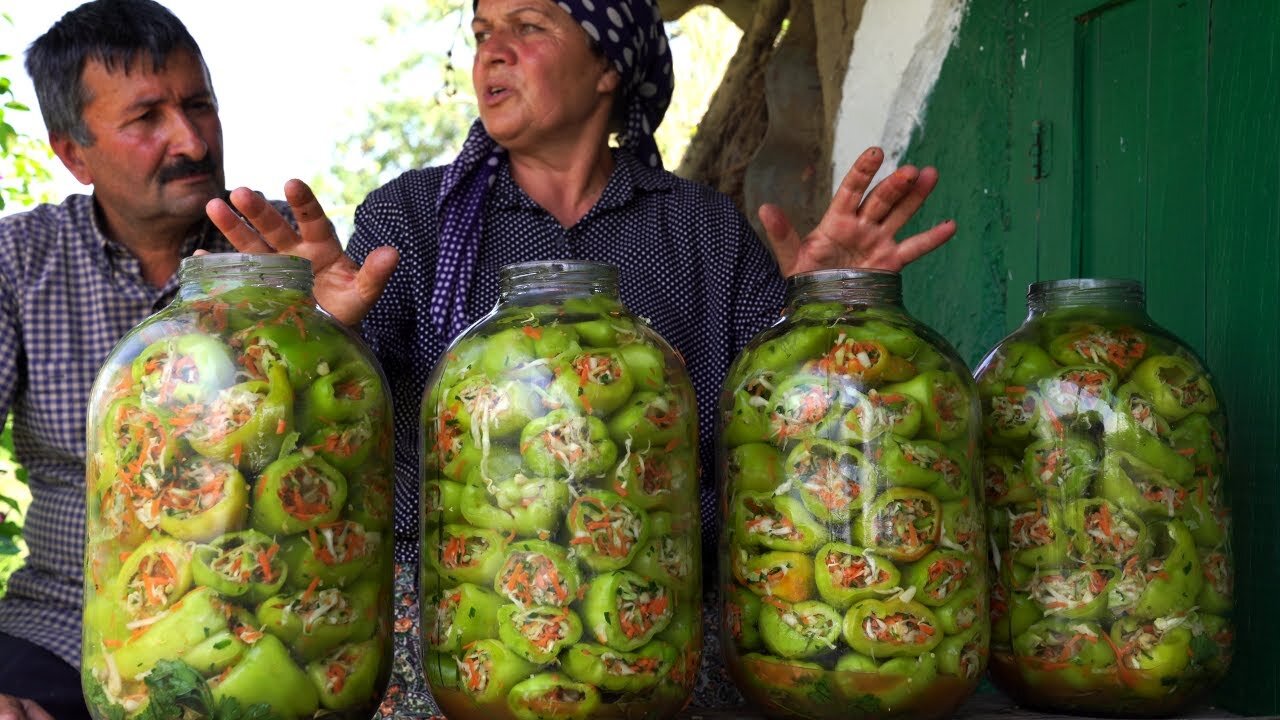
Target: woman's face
x: 536, y: 79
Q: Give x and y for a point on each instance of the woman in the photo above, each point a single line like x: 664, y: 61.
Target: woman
x: 537, y: 179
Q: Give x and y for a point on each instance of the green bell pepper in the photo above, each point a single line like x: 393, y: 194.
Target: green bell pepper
x: 593, y: 382
x: 1078, y: 594
x: 781, y: 351
x: 354, y: 390
x: 204, y: 499
x: 964, y: 655
x: 1173, y: 574
x: 561, y: 444
x: 782, y: 686
x: 1037, y: 535
x: 442, y: 501
x: 748, y: 420
x: 1216, y: 593
x: 219, y: 651
x: 1061, y: 468
x: 902, y: 524
x: 1075, y: 653
x: 846, y: 574
x: 522, y: 505
x: 624, y: 610
x: 939, y: 575
x: 441, y: 670
x: 134, y: 445
x: 654, y: 478
x: 863, y: 360
x: 1154, y: 654
x: 777, y: 522
x: 890, y: 628
x: 802, y: 630
x: 961, y: 527
x: 785, y: 575
x: 1176, y: 386
x: 1127, y: 590
x: 459, y: 616
x: 1013, y: 415
x: 879, y: 413
x: 154, y: 578
x: 1073, y: 396
x: 267, y: 675
x: 742, y: 619
x: 890, y: 685
x: 296, y: 493
x: 488, y: 409
x: 1004, y: 480
x: 1018, y: 363
x: 964, y: 609
x: 537, y: 572
x: 313, y: 622
x: 828, y: 477
x: 369, y: 497
x: 550, y: 696
x: 647, y: 364
x: 923, y: 464
x: 668, y: 555
x: 897, y: 337
x: 650, y: 419
x: 1134, y: 428
x: 182, y: 370
x: 1204, y: 512
x: 304, y: 351
x: 799, y: 405
x: 348, y: 677
x: 1200, y: 440
x: 1138, y: 487
x: 944, y: 401
x: 538, y: 633
x: 191, y: 619
x: 1120, y: 347
x: 618, y: 671
x: 754, y: 467
x: 245, y: 424
x: 240, y: 564
x: 488, y: 670
x: 461, y: 553
x: 1103, y: 532
x: 606, y: 530
x: 505, y: 351
x: 350, y: 444
x: 1212, y: 639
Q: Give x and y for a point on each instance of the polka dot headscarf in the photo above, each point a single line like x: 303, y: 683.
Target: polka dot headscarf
x: 631, y: 35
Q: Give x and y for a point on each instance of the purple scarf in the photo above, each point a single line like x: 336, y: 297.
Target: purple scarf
x: 631, y: 34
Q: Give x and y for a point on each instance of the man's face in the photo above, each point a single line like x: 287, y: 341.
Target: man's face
x: 156, y: 155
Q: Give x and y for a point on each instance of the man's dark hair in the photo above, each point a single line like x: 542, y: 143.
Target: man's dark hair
x: 116, y: 33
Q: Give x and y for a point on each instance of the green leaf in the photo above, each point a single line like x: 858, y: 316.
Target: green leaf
x: 8, y: 547
x: 9, y: 528
x: 10, y: 502
x: 15, y: 105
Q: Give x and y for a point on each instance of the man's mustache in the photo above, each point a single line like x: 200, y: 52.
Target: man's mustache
x: 186, y: 168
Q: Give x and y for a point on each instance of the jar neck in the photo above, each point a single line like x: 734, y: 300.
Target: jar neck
x: 1085, y: 292
x: 553, y: 280
x: 216, y: 273
x: 850, y: 287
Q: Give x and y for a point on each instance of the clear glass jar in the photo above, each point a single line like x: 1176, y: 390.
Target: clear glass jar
x: 854, y: 579
x: 561, y: 571
x: 239, y: 505
x: 1104, y: 467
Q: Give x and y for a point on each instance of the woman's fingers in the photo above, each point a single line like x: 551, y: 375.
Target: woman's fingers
x: 784, y: 241
x: 855, y: 183
x: 908, y: 204
x: 886, y: 195
x: 919, y: 245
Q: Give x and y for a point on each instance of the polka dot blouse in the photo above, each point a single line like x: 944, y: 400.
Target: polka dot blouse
x: 688, y: 262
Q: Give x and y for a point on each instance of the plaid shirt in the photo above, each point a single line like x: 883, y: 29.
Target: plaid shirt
x: 67, y: 294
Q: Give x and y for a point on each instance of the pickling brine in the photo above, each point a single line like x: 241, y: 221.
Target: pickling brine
x: 238, y: 557
x: 854, y: 562
x: 560, y: 557
x: 1104, y: 470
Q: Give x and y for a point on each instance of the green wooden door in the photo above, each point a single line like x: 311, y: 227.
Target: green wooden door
x: 1144, y: 146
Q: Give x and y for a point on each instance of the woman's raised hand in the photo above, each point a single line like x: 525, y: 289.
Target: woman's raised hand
x: 860, y: 229
x: 344, y: 289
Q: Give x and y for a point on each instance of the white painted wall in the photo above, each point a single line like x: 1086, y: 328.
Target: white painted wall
x: 897, y: 54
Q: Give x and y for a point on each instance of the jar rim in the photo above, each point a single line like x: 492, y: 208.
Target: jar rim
x: 1084, y: 284
x: 556, y: 266
x: 845, y: 274
x: 245, y: 262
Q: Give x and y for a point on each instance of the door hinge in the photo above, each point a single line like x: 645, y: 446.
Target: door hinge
x: 1040, y: 150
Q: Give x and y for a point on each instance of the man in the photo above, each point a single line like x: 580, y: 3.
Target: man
x: 130, y: 110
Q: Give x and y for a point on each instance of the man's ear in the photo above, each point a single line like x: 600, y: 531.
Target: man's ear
x: 71, y: 153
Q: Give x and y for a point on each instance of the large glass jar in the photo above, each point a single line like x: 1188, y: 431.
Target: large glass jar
x: 854, y: 572
x: 238, y: 559
x: 560, y: 556
x: 1104, y: 467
